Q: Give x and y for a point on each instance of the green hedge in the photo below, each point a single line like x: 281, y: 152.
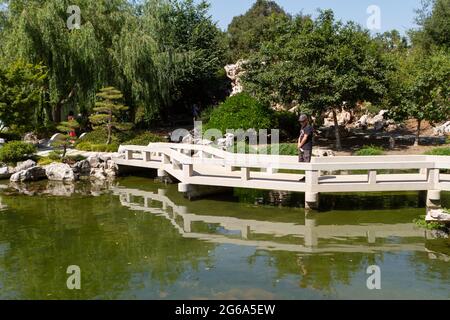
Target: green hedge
x: 143, y: 139
x: 95, y: 140
x: 89, y: 146
x: 370, y: 151
x: 98, y: 137
x: 439, y: 152
x: 285, y: 149
x: 15, y: 151
x: 241, y: 112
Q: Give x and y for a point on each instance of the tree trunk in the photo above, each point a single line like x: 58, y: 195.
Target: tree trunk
x: 58, y: 108
x: 417, y: 140
x: 109, y: 128
x: 56, y: 113
x: 336, y: 131
x: 64, y: 151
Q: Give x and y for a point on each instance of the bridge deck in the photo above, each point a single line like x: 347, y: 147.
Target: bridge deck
x: 208, y: 166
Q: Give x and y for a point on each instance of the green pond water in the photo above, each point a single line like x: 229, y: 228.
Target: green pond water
x: 139, y: 239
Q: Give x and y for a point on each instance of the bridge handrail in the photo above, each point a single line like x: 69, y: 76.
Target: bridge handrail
x: 224, y: 158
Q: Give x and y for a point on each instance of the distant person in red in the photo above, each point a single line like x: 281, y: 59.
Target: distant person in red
x: 72, y: 133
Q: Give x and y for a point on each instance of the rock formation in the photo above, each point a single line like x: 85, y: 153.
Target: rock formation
x: 60, y: 172
x: 235, y: 72
x: 31, y: 174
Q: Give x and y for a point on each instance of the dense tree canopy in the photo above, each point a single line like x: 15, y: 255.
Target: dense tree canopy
x: 420, y: 87
x: 322, y: 64
x: 167, y: 55
x: 155, y: 52
x: 21, y: 88
x: 434, y: 19
x: 247, y: 32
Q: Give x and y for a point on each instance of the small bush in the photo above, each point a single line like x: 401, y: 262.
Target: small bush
x: 144, y: 139
x: 285, y: 149
x: 43, y: 161
x: 241, y: 112
x: 370, y: 151
x: 422, y: 223
x: 55, y: 155
x: 439, y: 152
x: 16, y: 151
x: 75, y: 158
x: 99, y: 136
x: 88, y: 146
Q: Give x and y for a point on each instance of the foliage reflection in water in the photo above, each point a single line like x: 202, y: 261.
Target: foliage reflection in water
x: 135, y: 239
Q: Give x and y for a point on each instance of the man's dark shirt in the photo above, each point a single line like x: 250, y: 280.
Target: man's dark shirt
x: 309, y: 142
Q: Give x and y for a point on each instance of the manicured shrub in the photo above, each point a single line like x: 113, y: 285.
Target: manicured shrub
x: 285, y: 149
x: 16, y: 151
x: 55, y: 155
x: 143, y: 139
x: 99, y: 136
x: 88, y: 146
x: 75, y: 158
x: 43, y: 161
x: 241, y: 112
x: 370, y: 151
x: 422, y: 223
x: 439, y: 152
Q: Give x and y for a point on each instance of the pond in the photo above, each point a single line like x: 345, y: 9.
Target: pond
x: 140, y: 239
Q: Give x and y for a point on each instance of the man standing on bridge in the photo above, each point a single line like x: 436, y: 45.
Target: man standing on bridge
x: 305, y: 141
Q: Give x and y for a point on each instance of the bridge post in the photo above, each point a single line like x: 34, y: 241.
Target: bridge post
x: 245, y: 174
x: 311, y: 195
x: 183, y: 187
x: 433, y: 199
x: 162, y: 173
x: 188, y: 170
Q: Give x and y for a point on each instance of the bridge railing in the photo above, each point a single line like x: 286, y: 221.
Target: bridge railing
x: 414, y: 172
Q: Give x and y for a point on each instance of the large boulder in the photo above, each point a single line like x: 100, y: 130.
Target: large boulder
x: 111, y: 169
x: 31, y: 138
x: 5, y: 173
x: 25, y: 165
x: 98, y: 174
x: 443, y: 129
x: 235, y: 73
x: 379, y: 122
x: 362, y: 122
x: 31, y: 174
x: 60, y: 172
x: 438, y: 215
x: 320, y: 153
x: 94, y: 161
x: 82, y: 168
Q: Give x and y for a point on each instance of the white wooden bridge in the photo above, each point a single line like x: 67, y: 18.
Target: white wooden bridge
x: 197, y: 165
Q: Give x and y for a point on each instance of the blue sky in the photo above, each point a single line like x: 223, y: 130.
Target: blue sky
x: 395, y: 14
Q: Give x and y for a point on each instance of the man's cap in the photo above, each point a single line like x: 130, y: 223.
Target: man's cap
x: 303, y: 117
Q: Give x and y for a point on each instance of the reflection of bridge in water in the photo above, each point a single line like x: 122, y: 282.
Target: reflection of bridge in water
x: 245, y: 232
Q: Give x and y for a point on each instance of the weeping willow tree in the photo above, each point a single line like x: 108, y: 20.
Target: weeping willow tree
x: 157, y: 52
x: 149, y: 69
x: 78, y: 60
x: 170, y: 54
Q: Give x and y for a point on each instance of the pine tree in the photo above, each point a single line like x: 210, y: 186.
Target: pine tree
x: 67, y: 140
x: 107, y: 110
